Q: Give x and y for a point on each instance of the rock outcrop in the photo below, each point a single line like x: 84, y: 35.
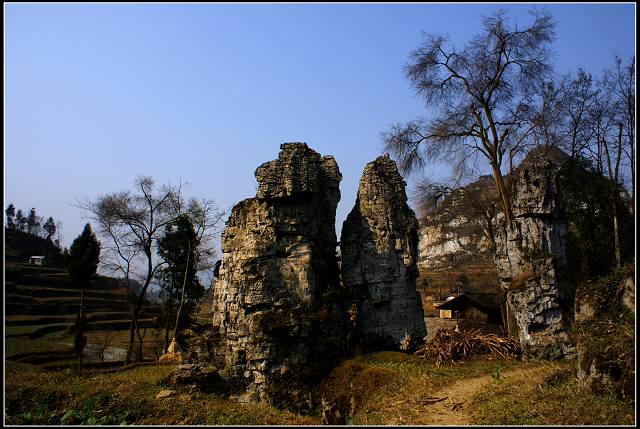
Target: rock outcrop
x: 379, y: 247
x: 454, y: 233
x: 530, y: 257
x: 604, y: 327
x: 277, y: 299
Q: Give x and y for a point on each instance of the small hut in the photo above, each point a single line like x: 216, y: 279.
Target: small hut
x: 481, y: 307
x: 36, y: 260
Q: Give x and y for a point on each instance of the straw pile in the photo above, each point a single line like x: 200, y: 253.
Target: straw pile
x: 447, y: 344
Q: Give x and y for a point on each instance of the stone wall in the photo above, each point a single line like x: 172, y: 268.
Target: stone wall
x: 530, y: 258
x: 379, y: 247
x: 275, y: 299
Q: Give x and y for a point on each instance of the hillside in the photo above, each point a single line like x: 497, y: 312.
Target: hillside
x: 454, y: 252
x: 41, y: 305
x: 19, y: 246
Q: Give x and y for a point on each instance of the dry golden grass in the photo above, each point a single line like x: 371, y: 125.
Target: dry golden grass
x: 547, y: 396
x: 448, y: 345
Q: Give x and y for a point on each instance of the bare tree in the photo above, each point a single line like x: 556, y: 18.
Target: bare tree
x: 483, y: 96
x: 605, y: 118
x: 580, y: 97
x: 131, y: 222
x: 99, y: 350
x: 621, y: 83
x: 614, y: 175
x: 467, y: 211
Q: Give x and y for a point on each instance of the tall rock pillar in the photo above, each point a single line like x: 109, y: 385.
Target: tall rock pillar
x: 280, y: 328
x: 530, y: 258
x: 379, y: 247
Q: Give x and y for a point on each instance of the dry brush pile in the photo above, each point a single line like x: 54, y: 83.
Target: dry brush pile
x: 447, y: 344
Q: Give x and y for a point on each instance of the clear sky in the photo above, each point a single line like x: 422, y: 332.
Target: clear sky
x: 97, y: 94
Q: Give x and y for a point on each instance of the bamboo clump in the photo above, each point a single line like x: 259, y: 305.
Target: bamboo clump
x: 449, y: 345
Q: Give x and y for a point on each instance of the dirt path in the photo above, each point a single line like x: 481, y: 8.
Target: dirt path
x: 450, y: 405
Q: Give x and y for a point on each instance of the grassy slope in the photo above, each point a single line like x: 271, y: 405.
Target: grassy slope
x: 40, y: 307
x: 552, y: 398
x: 388, y: 388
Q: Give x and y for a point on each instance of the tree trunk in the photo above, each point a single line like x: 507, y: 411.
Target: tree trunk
x: 167, y: 327
x: 616, y: 232
x: 81, y: 329
x: 502, y: 193
x: 132, y: 330
x: 184, y: 286
x: 613, y: 177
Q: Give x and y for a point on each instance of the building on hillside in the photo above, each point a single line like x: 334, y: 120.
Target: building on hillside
x: 481, y: 307
x: 36, y: 260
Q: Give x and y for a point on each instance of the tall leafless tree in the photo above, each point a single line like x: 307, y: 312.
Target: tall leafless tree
x: 483, y: 98
x: 132, y: 222
x: 621, y: 83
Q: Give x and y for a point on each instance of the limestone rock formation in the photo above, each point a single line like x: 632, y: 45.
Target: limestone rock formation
x: 276, y: 311
x: 604, y: 331
x: 455, y: 232
x: 379, y: 247
x: 530, y: 255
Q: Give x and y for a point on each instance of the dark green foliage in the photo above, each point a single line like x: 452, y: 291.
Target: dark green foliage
x: 11, y: 214
x: 19, y: 246
x: 588, y: 206
x: 84, y: 257
x: 83, y: 263
x: 604, y: 294
x: 50, y: 227
x: 180, y: 249
x: 33, y: 222
x: 21, y: 221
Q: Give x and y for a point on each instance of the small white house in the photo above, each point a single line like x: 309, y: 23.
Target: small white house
x: 36, y: 260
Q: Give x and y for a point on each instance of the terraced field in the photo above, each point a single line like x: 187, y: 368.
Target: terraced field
x: 41, y: 306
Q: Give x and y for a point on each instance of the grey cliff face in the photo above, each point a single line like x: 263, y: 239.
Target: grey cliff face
x: 530, y: 254
x: 379, y: 247
x: 278, y: 267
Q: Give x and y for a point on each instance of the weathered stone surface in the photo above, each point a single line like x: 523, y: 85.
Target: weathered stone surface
x: 194, y: 373
x: 629, y: 294
x: 530, y: 253
x: 165, y: 393
x: 379, y: 250
x: 604, y: 327
x: 279, y: 325
x: 201, y: 364
x: 455, y: 233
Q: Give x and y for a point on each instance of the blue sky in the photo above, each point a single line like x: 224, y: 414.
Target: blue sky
x: 97, y: 94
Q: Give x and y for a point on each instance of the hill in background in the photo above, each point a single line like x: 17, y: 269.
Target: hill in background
x: 41, y: 305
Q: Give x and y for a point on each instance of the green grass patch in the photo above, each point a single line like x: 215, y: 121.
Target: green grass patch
x: 13, y: 346
x: 549, y: 396
x: 127, y: 396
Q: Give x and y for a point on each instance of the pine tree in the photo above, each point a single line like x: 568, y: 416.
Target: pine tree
x: 21, y: 221
x: 33, y: 222
x: 11, y: 214
x: 180, y: 286
x: 50, y: 227
x: 83, y: 263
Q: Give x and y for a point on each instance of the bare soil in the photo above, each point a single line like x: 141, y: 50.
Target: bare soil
x: 451, y: 404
